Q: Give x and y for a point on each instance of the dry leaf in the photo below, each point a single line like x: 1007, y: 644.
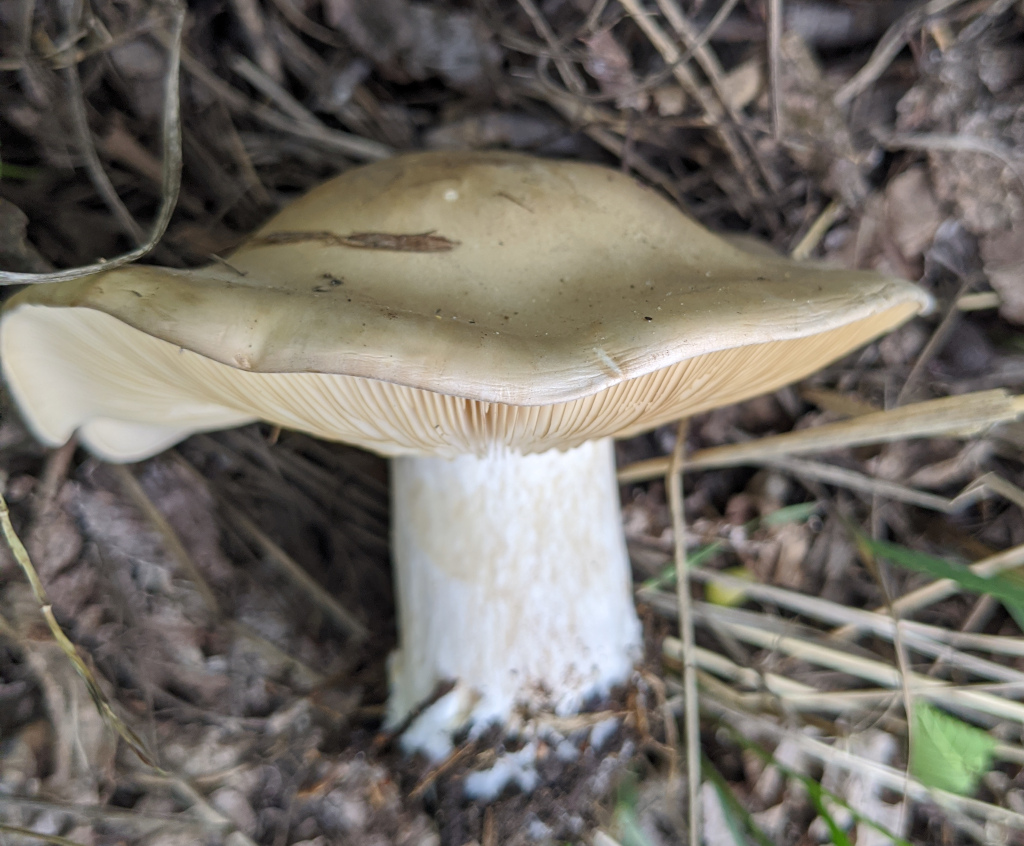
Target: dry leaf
x: 912, y: 212
x: 415, y: 41
x: 1003, y: 256
x: 609, y: 64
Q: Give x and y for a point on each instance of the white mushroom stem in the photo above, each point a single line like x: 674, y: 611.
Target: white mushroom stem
x: 512, y: 579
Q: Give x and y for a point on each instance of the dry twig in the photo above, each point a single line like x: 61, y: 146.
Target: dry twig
x: 171, y: 174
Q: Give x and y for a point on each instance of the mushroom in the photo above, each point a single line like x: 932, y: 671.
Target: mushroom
x: 492, y: 321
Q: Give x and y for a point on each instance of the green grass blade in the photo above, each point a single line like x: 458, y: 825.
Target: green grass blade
x: 736, y: 812
x: 1004, y: 587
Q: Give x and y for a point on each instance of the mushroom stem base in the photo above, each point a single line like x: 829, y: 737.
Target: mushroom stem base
x: 512, y: 579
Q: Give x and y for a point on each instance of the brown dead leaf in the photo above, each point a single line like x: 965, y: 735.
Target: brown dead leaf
x: 415, y: 41
x: 495, y: 129
x: 190, y: 509
x: 744, y: 83
x: 15, y: 251
x: 23, y: 756
x: 953, y: 100
x: 669, y: 100
x: 912, y: 212
x: 792, y: 542
x: 813, y: 129
x: 611, y: 66
x: 1003, y: 256
x: 55, y: 543
x: 741, y: 509
x: 72, y: 592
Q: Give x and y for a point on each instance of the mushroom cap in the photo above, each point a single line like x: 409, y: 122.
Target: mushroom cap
x: 439, y: 303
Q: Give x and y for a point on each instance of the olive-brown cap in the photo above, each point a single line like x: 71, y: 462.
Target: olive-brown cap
x: 439, y: 303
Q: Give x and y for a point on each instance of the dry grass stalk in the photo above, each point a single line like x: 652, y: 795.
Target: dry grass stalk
x: 932, y: 640
x: 674, y: 484
x: 959, y: 416
x: 122, y: 729
x: 858, y: 666
x: 889, y: 777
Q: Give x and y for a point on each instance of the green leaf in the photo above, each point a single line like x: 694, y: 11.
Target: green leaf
x: 624, y: 819
x: 14, y: 171
x: 693, y: 559
x: 730, y: 597
x: 1004, y: 587
x: 736, y: 814
x: 1017, y: 612
x: 947, y: 753
x: 815, y: 793
x: 801, y: 512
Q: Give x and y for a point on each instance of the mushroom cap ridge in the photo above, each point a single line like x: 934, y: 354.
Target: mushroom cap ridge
x: 493, y: 277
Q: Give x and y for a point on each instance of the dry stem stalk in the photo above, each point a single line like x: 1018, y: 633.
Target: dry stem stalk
x: 674, y: 484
